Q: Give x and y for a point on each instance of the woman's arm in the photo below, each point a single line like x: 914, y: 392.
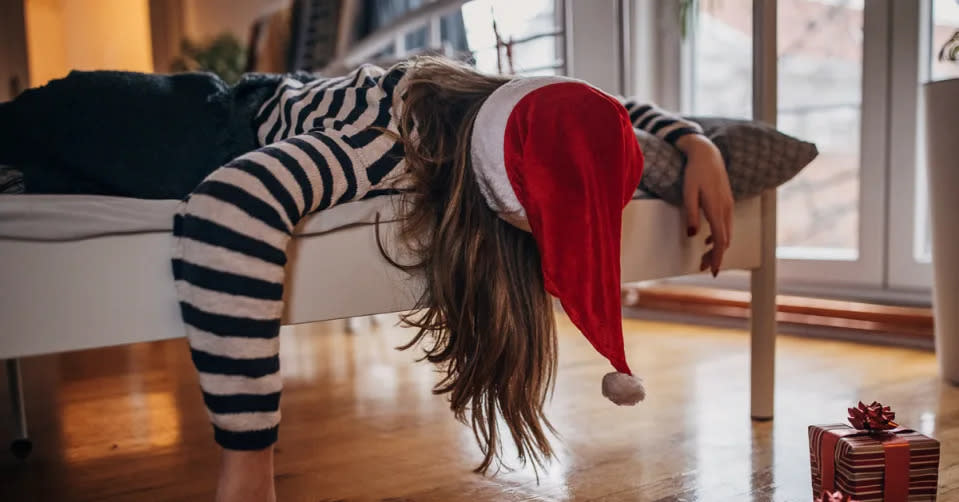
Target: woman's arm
x: 706, y: 186
x: 654, y: 120
x: 705, y: 183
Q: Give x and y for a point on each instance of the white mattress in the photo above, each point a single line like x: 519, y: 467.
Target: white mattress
x: 82, y: 272
x: 77, y: 217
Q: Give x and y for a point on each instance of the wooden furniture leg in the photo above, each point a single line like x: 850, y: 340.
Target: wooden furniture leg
x: 21, y: 444
x: 763, y: 317
x: 763, y: 279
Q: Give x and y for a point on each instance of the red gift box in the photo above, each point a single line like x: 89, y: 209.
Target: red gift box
x: 872, y: 464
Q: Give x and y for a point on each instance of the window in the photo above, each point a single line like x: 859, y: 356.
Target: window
x: 942, y: 23
x: 530, y: 26
x: 921, y: 29
x: 854, y: 222
x: 532, y: 30
x: 721, y: 50
x: 820, y: 100
x: 820, y: 97
x: 945, y: 22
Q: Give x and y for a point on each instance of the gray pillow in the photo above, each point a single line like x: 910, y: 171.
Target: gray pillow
x: 757, y: 157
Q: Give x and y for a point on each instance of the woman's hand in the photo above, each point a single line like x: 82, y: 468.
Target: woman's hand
x: 706, y: 186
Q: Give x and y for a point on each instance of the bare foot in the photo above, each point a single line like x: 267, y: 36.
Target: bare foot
x: 246, y: 476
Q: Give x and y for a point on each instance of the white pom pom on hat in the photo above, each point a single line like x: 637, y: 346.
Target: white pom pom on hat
x: 623, y: 389
x: 561, y: 156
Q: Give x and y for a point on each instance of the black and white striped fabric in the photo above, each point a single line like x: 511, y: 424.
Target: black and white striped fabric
x: 231, y: 236
x: 654, y: 120
x: 322, y: 144
x: 358, y: 101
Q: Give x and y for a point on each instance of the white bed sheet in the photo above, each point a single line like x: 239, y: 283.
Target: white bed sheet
x: 57, y: 218
x: 76, y: 217
x: 61, y: 295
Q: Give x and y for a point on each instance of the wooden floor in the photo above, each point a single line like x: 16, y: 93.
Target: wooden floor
x: 359, y: 422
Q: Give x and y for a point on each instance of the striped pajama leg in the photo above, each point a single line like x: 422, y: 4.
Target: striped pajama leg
x: 231, y: 236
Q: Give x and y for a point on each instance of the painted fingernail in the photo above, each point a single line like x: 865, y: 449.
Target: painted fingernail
x: 690, y: 231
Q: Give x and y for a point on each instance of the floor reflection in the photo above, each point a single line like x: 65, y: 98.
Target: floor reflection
x: 150, y: 420
x: 722, y: 436
x: 360, y: 421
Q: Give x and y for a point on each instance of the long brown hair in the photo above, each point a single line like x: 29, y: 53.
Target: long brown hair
x: 485, y: 317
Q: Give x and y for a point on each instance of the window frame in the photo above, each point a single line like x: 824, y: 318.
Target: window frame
x: 907, y: 217
x: 887, y: 199
x: 866, y: 270
x: 587, y: 34
x: 432, y: 24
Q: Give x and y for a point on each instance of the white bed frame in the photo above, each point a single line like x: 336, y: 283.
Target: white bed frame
x: 97, y: 292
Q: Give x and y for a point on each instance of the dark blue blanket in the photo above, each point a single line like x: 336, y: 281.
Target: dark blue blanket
x: 129, y: 134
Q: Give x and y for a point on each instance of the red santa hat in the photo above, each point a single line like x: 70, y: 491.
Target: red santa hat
x: 560, y: 155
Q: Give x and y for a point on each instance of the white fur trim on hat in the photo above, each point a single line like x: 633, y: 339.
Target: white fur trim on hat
x: 489, y: 132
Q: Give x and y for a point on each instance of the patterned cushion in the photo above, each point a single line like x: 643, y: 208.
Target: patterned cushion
x: 757, y: 157
x: 662, y: 168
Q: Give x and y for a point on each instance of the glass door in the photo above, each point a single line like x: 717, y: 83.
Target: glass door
x: 830, y: 217
x: 530, y: 36
x: 925, y: 28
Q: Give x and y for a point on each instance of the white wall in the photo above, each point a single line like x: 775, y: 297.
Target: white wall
x: 86, y: 35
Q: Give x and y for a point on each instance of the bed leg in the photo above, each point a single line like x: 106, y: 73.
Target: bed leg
x: 21, y: 444
x: 763, y: 317
x: 763, y: 280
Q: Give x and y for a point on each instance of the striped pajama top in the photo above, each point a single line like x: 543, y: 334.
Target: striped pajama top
x: 322, y: 143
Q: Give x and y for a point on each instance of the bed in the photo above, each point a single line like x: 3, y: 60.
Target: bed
x: 81, y: 272
x: 87, y: 271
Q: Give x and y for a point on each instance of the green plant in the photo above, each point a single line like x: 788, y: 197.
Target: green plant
x: 686, y: 10
x: 224, y: 56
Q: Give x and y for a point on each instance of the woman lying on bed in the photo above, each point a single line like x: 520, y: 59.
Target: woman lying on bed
x: 514, y: 191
